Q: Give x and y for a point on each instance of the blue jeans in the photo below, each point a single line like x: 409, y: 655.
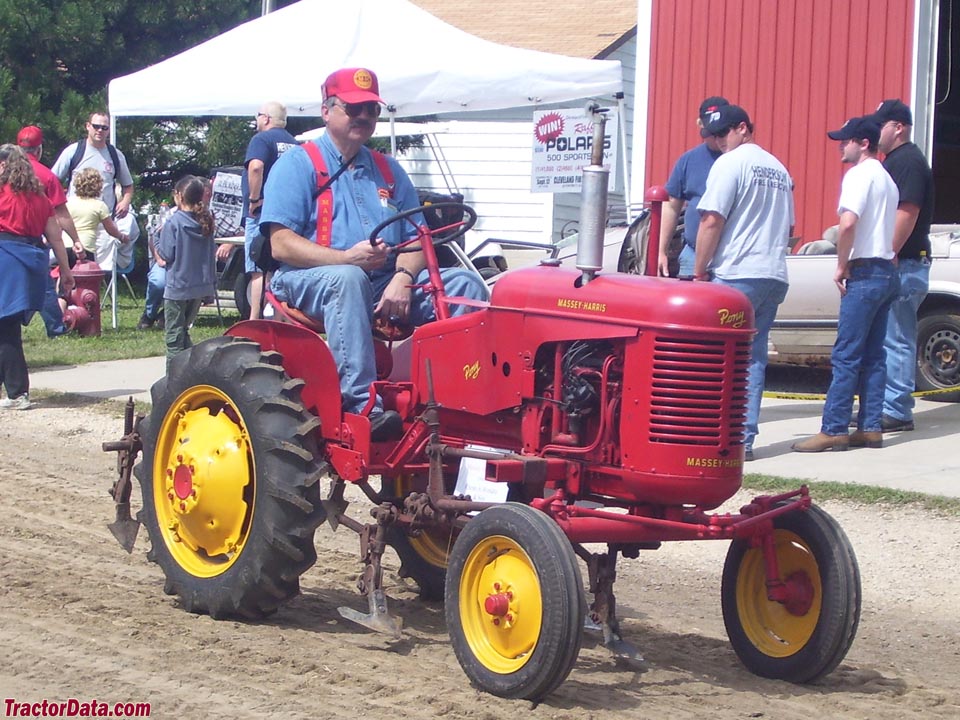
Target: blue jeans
x: 344, y: 298
x: 251, y: 228
x: 858, y: 358
x: 687, y: 259
x: 156, y: 283
x: 765, y: 294
x: 901, y: 339
x: 50, y: 313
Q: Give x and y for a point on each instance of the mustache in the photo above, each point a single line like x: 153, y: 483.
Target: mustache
x: 361, y: 124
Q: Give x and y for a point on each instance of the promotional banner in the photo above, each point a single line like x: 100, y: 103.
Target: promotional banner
x: 562, y: 145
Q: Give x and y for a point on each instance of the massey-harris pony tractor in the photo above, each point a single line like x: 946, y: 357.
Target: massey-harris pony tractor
x: 573, y: 408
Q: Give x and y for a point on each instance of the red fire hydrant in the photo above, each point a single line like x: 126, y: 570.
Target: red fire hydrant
x: 83, y: 304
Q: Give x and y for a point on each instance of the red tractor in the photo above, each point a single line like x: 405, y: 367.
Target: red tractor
x: 573, y: 408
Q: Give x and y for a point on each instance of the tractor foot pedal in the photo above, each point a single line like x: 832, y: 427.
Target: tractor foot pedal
x: 125, y: 528
x: 378, y: 619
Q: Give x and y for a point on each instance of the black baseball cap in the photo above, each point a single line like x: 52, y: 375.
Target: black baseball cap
x: 858, y: 128
x: 893, y: 110
x: 707, y: 108
x: 726, y: 117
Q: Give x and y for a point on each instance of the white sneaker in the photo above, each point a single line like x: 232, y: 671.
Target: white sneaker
x: 18, y: 403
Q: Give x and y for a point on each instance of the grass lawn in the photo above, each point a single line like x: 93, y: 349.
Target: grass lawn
x: 124, y: 342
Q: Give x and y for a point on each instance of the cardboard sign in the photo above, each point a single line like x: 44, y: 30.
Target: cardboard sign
x: 227, y: 204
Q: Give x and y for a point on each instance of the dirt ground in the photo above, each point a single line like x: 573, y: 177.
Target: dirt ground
x: 79, y: 618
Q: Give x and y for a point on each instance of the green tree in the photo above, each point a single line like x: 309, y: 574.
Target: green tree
x: 57, y: 57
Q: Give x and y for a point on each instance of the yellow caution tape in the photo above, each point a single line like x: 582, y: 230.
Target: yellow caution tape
x: 822, y: 396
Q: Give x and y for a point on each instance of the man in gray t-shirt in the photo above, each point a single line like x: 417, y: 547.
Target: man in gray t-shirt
x: 746, y: 214
x: 97, y: 155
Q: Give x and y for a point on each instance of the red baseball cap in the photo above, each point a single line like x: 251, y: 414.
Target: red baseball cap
x: 30, y: 137
x: 352, y: 85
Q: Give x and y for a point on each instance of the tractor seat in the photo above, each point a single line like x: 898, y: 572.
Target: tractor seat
x: 289, y: 314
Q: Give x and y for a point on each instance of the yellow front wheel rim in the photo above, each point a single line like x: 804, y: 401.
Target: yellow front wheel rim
x: 501, y: 606
x: 780, y: 629
x: 203, y: 488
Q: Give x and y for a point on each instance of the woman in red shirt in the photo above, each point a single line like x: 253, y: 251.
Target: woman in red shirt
x: 25, y: 215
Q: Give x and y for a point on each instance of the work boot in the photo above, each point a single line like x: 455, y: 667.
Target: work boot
x: 385, y: 426
x: 144, y: 323
x: 822, y: 441
x: 859, y: 438
x: 892, y: 424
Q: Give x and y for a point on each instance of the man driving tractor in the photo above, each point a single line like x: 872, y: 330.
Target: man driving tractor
x: 330, y: 268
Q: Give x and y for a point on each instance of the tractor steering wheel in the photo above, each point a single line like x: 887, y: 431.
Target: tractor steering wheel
x: 456, y: 229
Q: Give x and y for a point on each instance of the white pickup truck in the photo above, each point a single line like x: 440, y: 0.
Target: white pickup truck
x: 806, y: 323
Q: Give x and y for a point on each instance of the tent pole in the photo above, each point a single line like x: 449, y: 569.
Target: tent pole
x: 622, y: 124
x: 392, y: 110
x: 113, y: 272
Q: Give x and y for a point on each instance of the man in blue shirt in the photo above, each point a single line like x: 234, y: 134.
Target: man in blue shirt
x: 687, y: 183
x: 344, y: 279
x: 270, y: 142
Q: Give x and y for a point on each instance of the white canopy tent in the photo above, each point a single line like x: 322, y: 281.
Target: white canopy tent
x: 425, y: 66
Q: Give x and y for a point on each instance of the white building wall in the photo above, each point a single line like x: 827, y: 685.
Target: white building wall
x: 489, y: 163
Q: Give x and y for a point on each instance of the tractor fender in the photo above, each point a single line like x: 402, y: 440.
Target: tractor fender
x: 305, y: 356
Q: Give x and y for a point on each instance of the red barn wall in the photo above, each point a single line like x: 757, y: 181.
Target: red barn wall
x: 798, y: 67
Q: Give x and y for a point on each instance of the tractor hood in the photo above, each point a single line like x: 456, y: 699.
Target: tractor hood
x: 624, y: 299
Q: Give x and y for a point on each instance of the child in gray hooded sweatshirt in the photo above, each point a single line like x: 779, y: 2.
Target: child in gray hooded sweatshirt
x: 186, y: 245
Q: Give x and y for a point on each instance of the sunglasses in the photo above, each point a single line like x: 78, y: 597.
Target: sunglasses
x: 104, y: 128
x: 355, y: 109
x: 262, y: 114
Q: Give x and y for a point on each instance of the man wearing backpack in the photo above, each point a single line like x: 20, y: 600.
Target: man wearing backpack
x: 328, y: 268
x: 94, y: 151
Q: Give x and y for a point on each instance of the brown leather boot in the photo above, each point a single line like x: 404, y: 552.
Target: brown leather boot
x: 859, y: 438
x: 821, y: 442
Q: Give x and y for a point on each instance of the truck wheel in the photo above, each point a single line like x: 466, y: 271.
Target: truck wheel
x: 514, y: 602
x: 807, y: 637
x: 241, y: 295
x: 230, y: 480
x: 938, y: 355
x: 423, y: 557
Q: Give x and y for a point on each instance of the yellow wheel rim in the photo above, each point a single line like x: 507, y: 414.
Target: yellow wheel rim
x: 777, y: 629
x: 433, y: 545
x: 203, y: 488
x: 501, y: 607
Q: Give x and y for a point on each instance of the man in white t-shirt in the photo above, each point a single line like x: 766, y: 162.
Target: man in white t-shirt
x: 746, y: 215
x: 868, y: 283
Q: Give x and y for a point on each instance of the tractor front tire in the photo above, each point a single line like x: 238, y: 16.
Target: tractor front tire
x: 515, y: 604
x: 802, y: 640
x: 230, y: 480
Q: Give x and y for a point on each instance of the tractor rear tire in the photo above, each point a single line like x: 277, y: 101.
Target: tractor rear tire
x: 515, y: 604
x: 230, y: 480
x: 806, y: 642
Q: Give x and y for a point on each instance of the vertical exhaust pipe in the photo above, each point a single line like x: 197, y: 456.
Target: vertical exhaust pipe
x: 593, y: 201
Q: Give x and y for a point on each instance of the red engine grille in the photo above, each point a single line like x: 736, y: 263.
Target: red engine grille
x: 698, y: 391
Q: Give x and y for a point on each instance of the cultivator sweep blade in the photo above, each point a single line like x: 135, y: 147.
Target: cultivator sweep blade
x: 124, y: 527
x: 378, y: 619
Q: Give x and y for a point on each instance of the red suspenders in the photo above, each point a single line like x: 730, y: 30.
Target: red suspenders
x: 325, y: 198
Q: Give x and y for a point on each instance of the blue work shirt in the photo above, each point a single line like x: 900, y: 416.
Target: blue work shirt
x: 688, y: 181
x: 357, y: 203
